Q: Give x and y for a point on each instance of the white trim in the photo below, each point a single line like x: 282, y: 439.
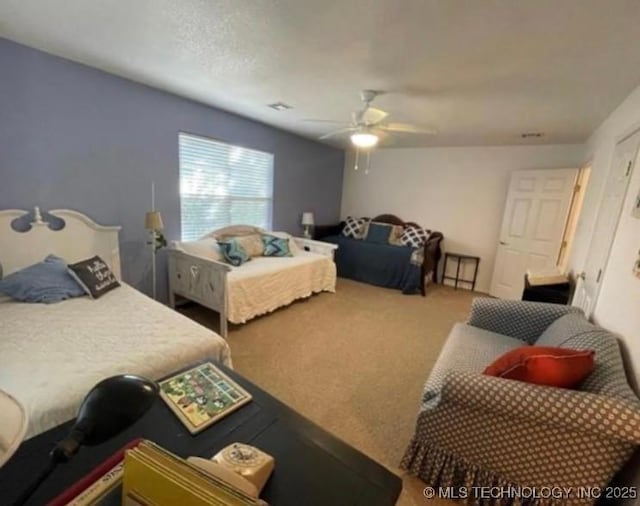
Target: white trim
x: 321, y: 248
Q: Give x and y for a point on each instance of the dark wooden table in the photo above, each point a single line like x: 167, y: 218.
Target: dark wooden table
x: 312, y: 466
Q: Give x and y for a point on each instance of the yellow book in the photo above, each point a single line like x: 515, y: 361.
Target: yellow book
x: 181, y: 469
x: 183, y: 478
x: 154, y: 476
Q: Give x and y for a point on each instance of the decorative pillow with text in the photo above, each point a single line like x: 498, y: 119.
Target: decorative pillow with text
x: 94, y: 276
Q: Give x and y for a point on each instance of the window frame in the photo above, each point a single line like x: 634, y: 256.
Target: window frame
x: 268, y: 200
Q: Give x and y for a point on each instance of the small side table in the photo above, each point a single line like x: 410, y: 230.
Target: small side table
x: 461, y: 259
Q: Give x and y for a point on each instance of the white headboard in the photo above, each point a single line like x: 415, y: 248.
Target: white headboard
x: 79, y: 239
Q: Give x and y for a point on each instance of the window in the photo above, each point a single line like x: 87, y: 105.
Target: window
x: 222, y: 184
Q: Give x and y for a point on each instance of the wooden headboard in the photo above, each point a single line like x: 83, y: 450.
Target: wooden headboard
x: 392, y: 219
x: 79, y: 238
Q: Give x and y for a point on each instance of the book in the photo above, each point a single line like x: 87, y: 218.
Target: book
x: 93, y: 488
x: 152, y: 475
x: 201, y: 396
x: 546, y: 277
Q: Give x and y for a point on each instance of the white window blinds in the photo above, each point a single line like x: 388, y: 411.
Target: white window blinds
x: 221, y: 185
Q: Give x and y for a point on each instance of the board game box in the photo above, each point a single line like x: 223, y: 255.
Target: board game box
x: 202, y: 395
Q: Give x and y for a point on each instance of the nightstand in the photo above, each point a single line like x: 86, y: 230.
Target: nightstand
x: 321, y: 248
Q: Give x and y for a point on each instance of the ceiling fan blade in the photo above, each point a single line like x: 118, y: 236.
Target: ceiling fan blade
x: 372, y: 116
x: 407, y: 128
x: 335, y: 133
x: 385, y: 139
x: 332, y: 121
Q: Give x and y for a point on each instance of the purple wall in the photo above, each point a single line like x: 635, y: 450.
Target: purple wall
x: 73, y: 136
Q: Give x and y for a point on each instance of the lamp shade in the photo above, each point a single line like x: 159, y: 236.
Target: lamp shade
x: 307, y: 218
x: 13, y: 426
x: 153, y: 221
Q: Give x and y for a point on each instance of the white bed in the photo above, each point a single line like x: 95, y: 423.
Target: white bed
x: 52, y: 354
x: 257, y: 287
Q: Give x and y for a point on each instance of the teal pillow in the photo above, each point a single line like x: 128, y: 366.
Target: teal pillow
x: 275, y: 246
x: 233, y: 253
x: 378, y: 233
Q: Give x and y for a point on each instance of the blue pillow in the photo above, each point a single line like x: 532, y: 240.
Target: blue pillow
x: 378, y: 233
x: 47, y: 282
x: 275, y: 246
x: 233, y: 252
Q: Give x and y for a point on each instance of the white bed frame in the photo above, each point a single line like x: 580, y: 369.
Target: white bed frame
x: 205, y: 281
x: 200, y: 280
x: 79, y: 238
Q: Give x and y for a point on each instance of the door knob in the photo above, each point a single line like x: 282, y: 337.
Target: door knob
x: 582, y: 275
x: 502, y: 243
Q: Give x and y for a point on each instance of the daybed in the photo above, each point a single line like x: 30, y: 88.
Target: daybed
x: 52, y: 354
x: 478, y: 431
x: 387, y: 265
x: 197, y: 272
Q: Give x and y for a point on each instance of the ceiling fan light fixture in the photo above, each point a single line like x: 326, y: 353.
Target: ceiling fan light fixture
x: 364, y: 139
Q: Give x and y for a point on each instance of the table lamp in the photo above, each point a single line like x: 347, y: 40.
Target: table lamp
x: 110, y: 407
x: 307, y: 223
x: 153, y: 223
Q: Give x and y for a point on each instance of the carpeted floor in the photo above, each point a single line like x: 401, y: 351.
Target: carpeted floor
x: 354, y: 362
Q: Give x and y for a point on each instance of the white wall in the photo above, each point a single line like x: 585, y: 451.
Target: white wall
x: 458, y: 191
x: 618, y: 306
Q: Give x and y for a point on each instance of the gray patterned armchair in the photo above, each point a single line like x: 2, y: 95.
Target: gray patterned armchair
x: 480, y: 431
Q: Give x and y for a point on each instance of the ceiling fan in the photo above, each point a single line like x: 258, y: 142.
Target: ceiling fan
x: 368, y: 126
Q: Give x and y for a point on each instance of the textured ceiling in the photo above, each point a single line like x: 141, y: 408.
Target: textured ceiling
x: 481, y: 72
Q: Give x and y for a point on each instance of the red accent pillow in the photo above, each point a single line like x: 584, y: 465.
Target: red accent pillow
x: 544, y: 365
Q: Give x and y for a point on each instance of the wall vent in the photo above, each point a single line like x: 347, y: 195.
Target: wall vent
x: 280, y: 106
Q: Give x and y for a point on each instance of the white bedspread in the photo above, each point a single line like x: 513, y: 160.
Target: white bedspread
x: 265, y: 284
x: 51, y: 355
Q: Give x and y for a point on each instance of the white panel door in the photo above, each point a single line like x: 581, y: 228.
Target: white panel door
x: 533, y: 224
x: 589, y: 280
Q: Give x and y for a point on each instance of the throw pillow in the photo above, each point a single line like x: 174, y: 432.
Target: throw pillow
x: 276, y: 246
x: 354, y: 228
x: 251, y: 244
x: 47, y: 282
x: 232, y: 231
x: 542, y: 365
x: 205, y: 248
x: 94, y: 276
x: 293, y: 245
x: 233, y: 252
x: 414, y: 237
x: 378, y: 232
x: 395, y: 237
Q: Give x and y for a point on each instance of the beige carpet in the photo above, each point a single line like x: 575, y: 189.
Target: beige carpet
x: 354, y: 362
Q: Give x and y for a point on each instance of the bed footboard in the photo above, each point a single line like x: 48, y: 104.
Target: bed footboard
x: 200, y: 280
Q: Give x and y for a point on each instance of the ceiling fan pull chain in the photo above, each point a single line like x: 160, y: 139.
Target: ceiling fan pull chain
x: 366, y: 171
x: 355, y: 165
